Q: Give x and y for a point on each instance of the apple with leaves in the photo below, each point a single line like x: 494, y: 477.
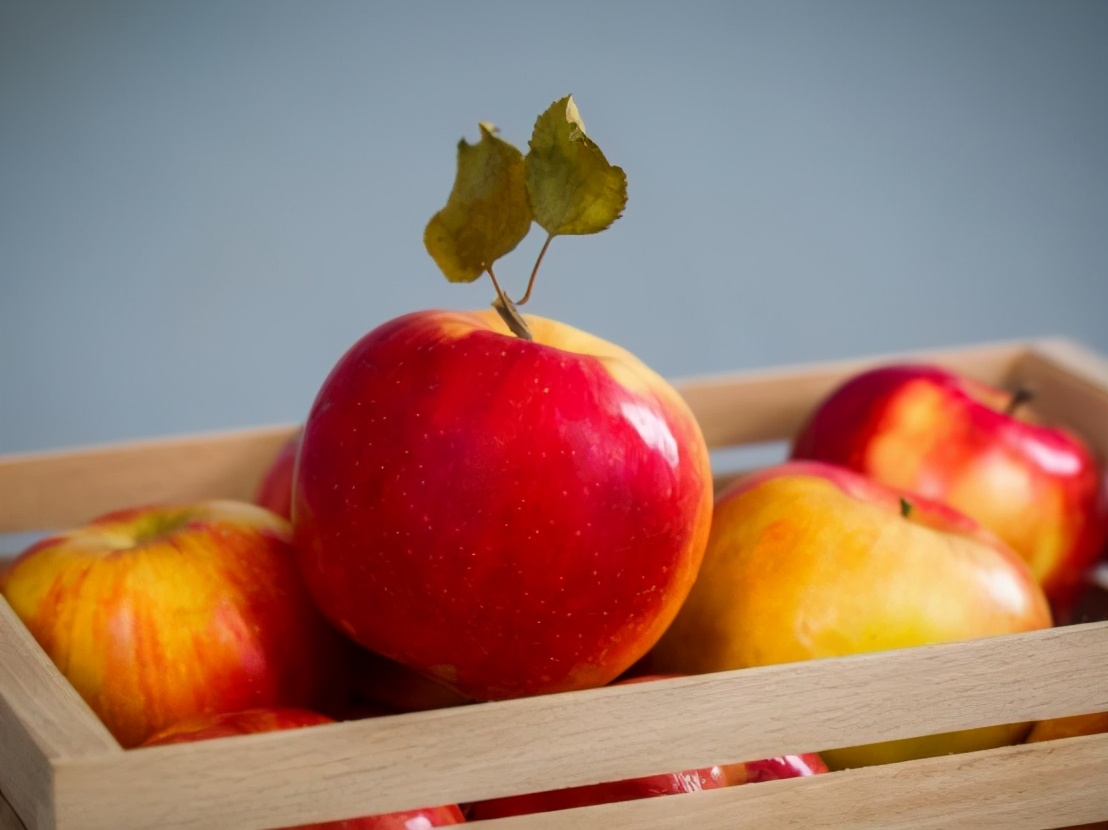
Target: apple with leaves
x: 981, y: 449
x: 809, y: 560
x: 159, y: 613
x: 506, y: 504
x: 272, y: 719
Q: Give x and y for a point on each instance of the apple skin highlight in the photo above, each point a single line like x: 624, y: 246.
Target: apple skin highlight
x: 510, y: 517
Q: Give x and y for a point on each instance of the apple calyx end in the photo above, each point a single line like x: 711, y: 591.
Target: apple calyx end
x: 905, y: 507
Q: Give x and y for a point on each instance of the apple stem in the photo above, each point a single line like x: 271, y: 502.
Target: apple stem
x: 905, y: 507
x: 508, y: 311
x: 1018, y: 399
x: 534, y: 271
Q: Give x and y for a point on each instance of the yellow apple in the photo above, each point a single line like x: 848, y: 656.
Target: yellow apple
x: 808, y: 560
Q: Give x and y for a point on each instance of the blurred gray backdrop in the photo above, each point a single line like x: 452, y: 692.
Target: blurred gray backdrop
x: 203, y: 204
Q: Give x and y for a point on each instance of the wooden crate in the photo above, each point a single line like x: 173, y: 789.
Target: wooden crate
x: 59, y: 767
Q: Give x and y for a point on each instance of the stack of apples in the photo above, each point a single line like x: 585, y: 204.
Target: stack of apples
x: 475, y: 516
x: 917, y: 506
x: 488, y: 505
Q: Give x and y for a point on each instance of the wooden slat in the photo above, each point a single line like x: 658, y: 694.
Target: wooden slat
x: 951, y: 798
x: 52, y: 490
x: 42, y: 719
x: 1029, y: 787
x: 496, y: 749
x: 1070, y: 385
x: 46, y: 491
x: 751, y: 407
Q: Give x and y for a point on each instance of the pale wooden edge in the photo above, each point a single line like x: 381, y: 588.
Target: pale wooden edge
x: 1070, y: 385
x: 771, y: 404
x: 45, y: 491
x: 1028, y: 787
x: 42, y: 719
x: 58, y: 489
x: 496, y: 749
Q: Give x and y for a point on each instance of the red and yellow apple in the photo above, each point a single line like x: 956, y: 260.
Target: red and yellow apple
x: 271, y: 719
x: 274, y: 490
x: 155, y: 614
x: 505, y: 515
x: 809, y: 560
x: 931, y: 431
x: 649, y: 786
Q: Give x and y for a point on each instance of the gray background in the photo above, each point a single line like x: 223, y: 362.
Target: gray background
x: 202, y: 204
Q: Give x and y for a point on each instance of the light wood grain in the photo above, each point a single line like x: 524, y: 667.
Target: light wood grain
x: 42, y: 719
x: 56, y: 490
x: 752, y: 407
x: 1026, y: 787
x: 1070, y: 385
x: 495, y: 749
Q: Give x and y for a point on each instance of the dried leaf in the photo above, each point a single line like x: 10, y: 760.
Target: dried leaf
x: 573, y: 188
x: 488, y: 211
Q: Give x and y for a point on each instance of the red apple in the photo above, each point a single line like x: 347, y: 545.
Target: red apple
x: 274, y: 491
x: 155, y: 614
x: 507, y: 516
x: 707, y: 778
x: 810, y: 560
x: 928, y: 430
x: 253, y: 721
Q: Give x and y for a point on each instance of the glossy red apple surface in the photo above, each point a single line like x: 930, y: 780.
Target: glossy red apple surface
x: 809, y: 560
x: 950, y: 438
x: 507, y: 516
x: 274, y: 491
x: 155, y: 614
x: 277, y: 718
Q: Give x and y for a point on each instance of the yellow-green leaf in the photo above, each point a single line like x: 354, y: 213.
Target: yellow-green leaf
x: 488, y: 212
x: 573, y: 188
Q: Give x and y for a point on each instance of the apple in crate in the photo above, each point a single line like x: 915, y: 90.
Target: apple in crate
x: 155, y: 614
x: 272, y: 719
x: 810, y: 560
x: 978, y: 448
x: 508, y: 516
